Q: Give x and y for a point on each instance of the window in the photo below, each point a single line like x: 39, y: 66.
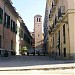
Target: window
x: 64, y: 40
x: 1, y: 15
x: 53, y: 41
x: 11, y: 44
x: 37, y: 19
x: 0, y: 44
x: 26, y: 38
x: 13, y: 26
x: 64, y: 52
x: 59, y: 13
x: 21, y: 33
x: 59, y: 42
x: 38, y: 35
x: 16, y: 29
x: 7, y: 20
x: 0, y: 41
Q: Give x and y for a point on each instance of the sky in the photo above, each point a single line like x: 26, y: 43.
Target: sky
x: 28, y: 9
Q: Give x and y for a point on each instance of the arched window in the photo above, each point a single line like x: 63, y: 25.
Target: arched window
x: 37, y: 19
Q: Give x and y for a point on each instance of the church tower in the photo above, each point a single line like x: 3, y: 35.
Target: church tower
x: 38, y: 31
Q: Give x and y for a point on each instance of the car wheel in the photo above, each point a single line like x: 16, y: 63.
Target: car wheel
x: 27, y: 53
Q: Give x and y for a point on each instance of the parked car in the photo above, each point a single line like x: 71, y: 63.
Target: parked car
x: 31, y: 52
x: 40, y: 52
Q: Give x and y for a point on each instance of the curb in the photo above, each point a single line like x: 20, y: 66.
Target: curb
x: 57, y: 68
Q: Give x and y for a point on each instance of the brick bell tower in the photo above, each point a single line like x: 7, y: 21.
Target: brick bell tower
x: 38, y: 31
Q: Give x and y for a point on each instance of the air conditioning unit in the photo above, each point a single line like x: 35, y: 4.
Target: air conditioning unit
x: 62, y: 8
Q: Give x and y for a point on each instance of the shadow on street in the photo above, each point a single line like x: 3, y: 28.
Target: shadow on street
x: 23, y: 61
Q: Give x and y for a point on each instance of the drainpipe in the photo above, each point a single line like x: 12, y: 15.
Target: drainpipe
x: 3, y: 22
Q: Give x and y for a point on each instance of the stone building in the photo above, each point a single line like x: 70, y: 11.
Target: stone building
x: 59, y: 27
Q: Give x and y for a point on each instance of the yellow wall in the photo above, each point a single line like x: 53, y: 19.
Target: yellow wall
x: 69, y: 18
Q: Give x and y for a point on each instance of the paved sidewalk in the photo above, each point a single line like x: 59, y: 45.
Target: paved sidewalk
x: 40, y: 67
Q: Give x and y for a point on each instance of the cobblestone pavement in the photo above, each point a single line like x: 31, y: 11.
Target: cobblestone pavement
x: 35, y: 64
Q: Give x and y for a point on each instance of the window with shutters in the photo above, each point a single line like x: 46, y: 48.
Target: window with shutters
x: 16, y: 29
x: 6, y: 20
x: 13, y: 26
x: 1, y: 15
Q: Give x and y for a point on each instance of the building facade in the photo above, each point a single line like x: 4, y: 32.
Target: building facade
x: 10, y: 25
x: 8, y: 18
x: 60, y: 28
x: 25, y: 37
x: 33, y: 39
x: 46, y: 27
x: 38, y: 31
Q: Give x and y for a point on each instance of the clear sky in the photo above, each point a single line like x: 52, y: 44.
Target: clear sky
x: 28, y: 9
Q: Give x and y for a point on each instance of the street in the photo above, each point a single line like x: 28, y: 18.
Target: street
x: 35, y: 65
